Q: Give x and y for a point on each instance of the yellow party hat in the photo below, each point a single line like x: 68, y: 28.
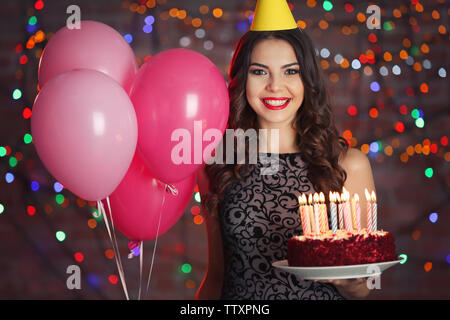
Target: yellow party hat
x: 272, y: 15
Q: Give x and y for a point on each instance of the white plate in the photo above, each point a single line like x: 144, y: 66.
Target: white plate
x: 337, y: 272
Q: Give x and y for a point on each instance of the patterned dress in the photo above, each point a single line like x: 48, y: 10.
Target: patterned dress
x: 258, y: 216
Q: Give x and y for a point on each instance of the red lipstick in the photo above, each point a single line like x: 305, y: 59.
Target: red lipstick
x: 267, y: 100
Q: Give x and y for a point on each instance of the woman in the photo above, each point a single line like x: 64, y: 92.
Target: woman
x: 275, y: 83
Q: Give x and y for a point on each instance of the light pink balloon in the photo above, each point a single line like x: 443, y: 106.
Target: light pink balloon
x: 171, y: 91
x: 138, y: 200
x: 84, y: 129
x: 94, y: 46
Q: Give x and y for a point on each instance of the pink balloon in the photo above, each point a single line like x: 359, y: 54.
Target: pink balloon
x: 137, y: 201
x: 181, y: 90
x: 84, y: 129
x: 94, y: 46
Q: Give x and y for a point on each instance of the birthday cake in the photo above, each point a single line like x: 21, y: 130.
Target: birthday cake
x: 342, y: 248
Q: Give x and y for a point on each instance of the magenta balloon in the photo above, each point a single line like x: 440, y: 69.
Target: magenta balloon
x: 171, y: 91
x: 94, y: 46
x: 84, y: 129
x: 138, y: 200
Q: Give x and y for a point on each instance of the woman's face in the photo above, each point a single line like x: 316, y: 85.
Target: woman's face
x: 274, y: 87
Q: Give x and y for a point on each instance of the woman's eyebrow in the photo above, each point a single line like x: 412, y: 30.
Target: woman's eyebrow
x: 264, y: 66
x: 290, y: 65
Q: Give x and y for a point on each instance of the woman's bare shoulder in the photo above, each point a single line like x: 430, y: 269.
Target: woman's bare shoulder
x: 359, y: 172
x: 354, y: 160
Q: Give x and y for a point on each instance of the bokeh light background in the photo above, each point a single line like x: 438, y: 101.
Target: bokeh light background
x: 390, y: 93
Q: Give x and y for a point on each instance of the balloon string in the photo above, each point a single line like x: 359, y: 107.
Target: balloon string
x: 157, y: 230
x: 114, y: 237
x: 172, y: 189
x: 101, y: 210
x: 115, y: 248
x: 113, y: 229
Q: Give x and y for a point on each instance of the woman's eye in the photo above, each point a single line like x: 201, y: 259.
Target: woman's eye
x: 258, y: 72
x: 292, y: 71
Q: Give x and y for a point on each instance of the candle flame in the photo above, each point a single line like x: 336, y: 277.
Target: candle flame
x: 356, y: 197
x: 310, y: 198
x: 302, y: 199
x: 322, y: 197
x: 345, y: 196
x: 337, y: 196
x: 332, y: 197
x: 373, y: 196
x: 367, y: 194
x: 316, y: 197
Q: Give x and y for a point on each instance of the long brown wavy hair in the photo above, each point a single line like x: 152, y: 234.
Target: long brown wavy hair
x: 317, y: 136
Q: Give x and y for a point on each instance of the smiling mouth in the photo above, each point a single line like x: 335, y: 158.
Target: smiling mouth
x: 276, y: 103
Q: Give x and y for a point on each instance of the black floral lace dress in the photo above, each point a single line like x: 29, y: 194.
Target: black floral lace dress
x: 258, y: 216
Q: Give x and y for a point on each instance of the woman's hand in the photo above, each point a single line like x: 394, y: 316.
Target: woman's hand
x: 350, y: 288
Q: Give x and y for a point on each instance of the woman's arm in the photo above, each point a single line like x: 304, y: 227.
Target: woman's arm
x: 211, y: 286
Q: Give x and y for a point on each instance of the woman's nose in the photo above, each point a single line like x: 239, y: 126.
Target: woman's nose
x: 275, y: 83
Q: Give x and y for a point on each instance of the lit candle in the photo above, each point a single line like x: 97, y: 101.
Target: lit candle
x: 316, y: 212
x: 311, y: 214
x: 341, y: 212
x: 353, y: 202
x: 333, y: 212
x: 307, y: 216
x: 304, y: 214
x: 374, y: 211
x: 358, y: 212
x: 369, y: 211
x: 347, y: 213
x: 323, y: 213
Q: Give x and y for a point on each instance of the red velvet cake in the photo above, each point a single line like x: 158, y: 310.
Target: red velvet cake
x: 343, y: 248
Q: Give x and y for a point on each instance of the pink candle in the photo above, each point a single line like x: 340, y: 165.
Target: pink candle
x: 353, y: 201
x: 347, y: 213
x: 307, y: 229
x: 323, y: 213
x: 312, y: 217
x: 358, y: 213
x: 316, y: 212
x: 304, y: 214
x: 300, y: 209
